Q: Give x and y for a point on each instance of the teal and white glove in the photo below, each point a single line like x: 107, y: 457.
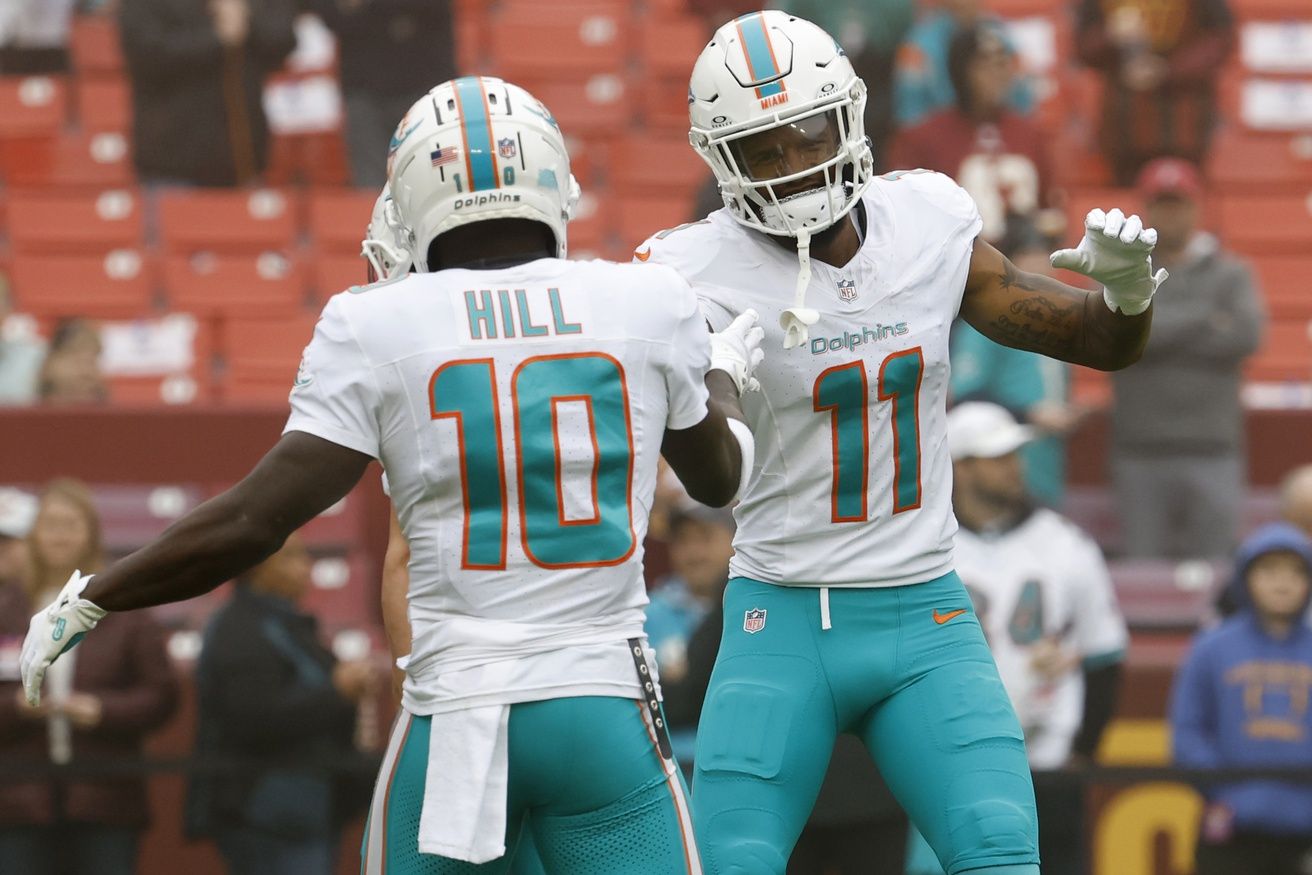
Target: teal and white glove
x: 55, y: 629
x: 1116, y: 252
x: 737, y: 350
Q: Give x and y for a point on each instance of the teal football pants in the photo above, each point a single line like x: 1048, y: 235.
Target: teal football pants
x: 585, y: 776
x: 904, y: 668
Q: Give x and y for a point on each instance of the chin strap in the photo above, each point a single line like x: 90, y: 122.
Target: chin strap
x: 797, y: 318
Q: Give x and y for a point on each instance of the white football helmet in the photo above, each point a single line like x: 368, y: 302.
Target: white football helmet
x: 475, y: 149
x: 774, y: 101
x: 384, y: 242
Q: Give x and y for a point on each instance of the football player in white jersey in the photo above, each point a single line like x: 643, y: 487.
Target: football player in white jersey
x: 843, y: 613
x: 518, y: 403
x: 1044, y: 597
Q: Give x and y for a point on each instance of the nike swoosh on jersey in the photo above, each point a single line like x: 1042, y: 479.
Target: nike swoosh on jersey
x: 943, y: 618
x: 642, y: 254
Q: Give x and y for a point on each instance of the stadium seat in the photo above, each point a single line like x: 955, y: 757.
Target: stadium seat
x: 1254, y: 224
x: 118, y: 285
x: 261, y: 356
x: 337, y: 528
x: 132, y: 514
x: 1163, y: 594
x: 256, y: 284
x: 72, y: 222
x: 81, y: 161
x: 1286, y: 282
x: 317, y: 159
x: 228, y: 221
x: 165, y: 360
x: 32, y: 106
x: 591, y: 228
x: 593, y: 106
x: 569, y: 39
x: 664, y: 101
x: 1286, y: 353
x: 639, y: 218
x: 648, y: 164
x: 670, y: 44
x: 341, y: 594
x: 1259, y: 164
x: 338, y: 218
x: 94, y: 44
x: 104, y: 103
x: 332, y: 272
x: 1269, y: 10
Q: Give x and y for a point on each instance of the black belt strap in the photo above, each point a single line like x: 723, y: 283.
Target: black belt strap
x: 649, y: 697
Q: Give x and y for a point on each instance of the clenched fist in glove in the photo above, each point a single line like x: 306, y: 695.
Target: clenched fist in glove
x: 1116, y: 252
x: 737, y: 350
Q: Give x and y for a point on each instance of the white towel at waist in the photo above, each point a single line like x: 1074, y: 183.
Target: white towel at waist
x: 464, y: 810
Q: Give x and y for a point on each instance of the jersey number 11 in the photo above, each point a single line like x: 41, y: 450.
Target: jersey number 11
x: 843, y: 392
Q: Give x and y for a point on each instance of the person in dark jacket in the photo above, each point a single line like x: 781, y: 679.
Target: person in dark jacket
x: 390, y: 52
x: 1160, y: 60
x: 277, y: 711
x: 109, y: 699
x: 198, y: 69
x: 1177, y: 449
x: 1241, y: 699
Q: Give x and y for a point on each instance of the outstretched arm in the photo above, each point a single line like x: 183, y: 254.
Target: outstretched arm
x: 1038, y: 313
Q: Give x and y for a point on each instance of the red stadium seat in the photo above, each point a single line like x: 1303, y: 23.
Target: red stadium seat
x: 1255, y: 224
x: 32, y: 106
x: 1286, y: 282
x: 1286, y: 353
x: 648, y: 164
x: 104, y: 103
x: 118, y: 285
x: 665, y: 103
x: 339, y: 218
x: 87, y: 223
x: 1270, y: 10
x: 168, y: 360
x: 1250, y: 164
x: 228, y: 221
x: 670, y: 44
x: 308, y: 159
x: 263, y: 284
x: 261, y: 356
x: 595, y: 106
x: 639, y: 218
x: 82, y: 161
x: 568, y: 40
x: 593, y: 223
x: 94, y: 44
x: 333, y: 272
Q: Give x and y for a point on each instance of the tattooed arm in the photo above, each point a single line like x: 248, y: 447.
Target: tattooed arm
x: 1037, y: 313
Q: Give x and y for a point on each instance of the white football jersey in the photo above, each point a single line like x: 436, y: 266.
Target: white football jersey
x: 518, y: 414
x: 852, y: 483
x: 1042, y: 580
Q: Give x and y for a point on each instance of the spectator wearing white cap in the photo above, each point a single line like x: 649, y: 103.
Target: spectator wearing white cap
x: 1044, y: 599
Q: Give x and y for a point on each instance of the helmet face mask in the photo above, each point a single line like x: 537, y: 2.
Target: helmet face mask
x: 384, y: 245
x: 765, y: 138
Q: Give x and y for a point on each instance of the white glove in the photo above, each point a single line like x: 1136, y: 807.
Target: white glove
x: 1116, y: 251
x: 56, y: 629
x: 737, y: 350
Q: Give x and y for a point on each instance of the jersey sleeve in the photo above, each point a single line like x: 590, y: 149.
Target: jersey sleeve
x: 690, y: 357
x: 335, y: 396
x: 1100, y: 632
x: 954, y: 202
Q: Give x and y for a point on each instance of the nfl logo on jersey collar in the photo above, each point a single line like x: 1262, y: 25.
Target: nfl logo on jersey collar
x: 847, y: 290
x: 754, y: 620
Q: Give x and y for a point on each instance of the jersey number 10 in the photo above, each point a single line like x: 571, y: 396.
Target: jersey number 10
x: 466, y: 391
x: 843, y: 392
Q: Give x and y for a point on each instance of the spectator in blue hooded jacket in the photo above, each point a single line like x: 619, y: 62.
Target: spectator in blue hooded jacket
x: 1241, y: 699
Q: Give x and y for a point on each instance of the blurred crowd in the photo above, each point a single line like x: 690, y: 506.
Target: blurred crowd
x: 947, y: 92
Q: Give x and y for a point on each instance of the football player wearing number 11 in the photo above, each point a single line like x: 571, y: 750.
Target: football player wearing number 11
x: 843, y: 613
x: 519, y: 404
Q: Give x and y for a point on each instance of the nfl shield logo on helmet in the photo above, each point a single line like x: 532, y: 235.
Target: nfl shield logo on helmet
x: 847, y: 290
x: 506, y: 148
x: 754, y: 620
